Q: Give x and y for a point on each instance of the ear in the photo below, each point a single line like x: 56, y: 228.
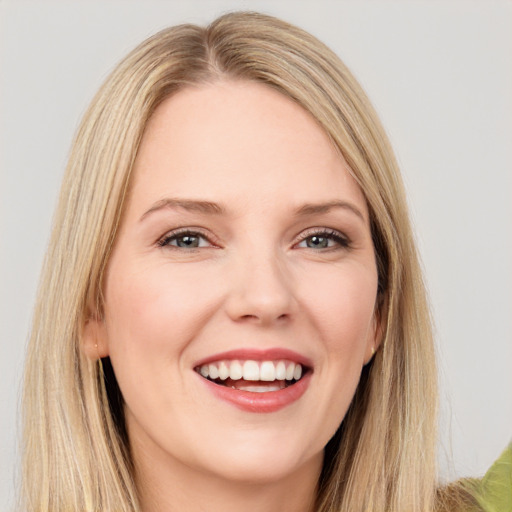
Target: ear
x: 374, y: 340
x: 94, y: 338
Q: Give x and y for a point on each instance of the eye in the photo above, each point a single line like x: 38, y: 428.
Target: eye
x: 323, y: 239
x: 185, y: 239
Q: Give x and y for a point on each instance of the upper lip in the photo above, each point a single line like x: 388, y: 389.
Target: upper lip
x: 254, y: 354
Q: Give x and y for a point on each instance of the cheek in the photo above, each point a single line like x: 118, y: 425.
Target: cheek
x: 341, y: 301
x: 340, y: 304
x: 156, y: 307
x: 152, y: 315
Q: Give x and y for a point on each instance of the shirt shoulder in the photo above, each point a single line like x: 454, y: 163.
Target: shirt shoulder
x: 494, y: 491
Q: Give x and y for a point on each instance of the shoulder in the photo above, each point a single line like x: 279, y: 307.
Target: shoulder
x: 491, y: 493
x: 494, y: 491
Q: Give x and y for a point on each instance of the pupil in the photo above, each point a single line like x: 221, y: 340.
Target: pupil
x: 188, y: 241
x: 317, y: 241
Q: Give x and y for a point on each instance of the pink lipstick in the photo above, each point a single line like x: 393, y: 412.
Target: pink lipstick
x: 256, y: 380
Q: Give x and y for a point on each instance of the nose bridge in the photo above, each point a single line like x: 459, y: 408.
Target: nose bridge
x: 262, y: 287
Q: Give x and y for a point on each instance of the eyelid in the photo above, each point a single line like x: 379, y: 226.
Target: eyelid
x: 343, y: 240
x: 189, y: 230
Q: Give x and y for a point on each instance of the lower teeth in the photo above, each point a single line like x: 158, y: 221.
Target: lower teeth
x: 259, y: 389
x: 256, y: 386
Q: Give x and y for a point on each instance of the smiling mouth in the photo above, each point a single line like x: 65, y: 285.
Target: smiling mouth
x: 253, y: 376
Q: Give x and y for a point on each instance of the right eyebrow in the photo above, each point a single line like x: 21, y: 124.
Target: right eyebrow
x: 191, y: 205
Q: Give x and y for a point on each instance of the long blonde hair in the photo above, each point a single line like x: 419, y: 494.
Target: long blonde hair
x: 76, y: 454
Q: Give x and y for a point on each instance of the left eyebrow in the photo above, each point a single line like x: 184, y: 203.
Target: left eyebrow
x: 318, y: 208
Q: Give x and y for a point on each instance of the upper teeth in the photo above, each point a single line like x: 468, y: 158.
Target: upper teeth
x: 252, y: 370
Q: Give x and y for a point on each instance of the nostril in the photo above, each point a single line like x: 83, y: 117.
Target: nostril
x: 264, y: 318
x: 249, y: 317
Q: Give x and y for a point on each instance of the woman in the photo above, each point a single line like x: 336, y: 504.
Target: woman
x: 232, y: 312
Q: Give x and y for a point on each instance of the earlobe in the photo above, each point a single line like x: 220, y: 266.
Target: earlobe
x: 94, y: 339
x: 369, y: 355
x: 374, y: 340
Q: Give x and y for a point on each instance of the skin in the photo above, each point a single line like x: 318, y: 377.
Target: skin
x: 256, y: 280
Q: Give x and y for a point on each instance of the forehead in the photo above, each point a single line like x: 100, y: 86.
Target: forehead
x: 232, y: 141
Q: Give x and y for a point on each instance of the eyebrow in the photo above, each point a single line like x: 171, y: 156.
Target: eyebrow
x: 207, y: 207
x: 211, y: 208
x: 319, y: 208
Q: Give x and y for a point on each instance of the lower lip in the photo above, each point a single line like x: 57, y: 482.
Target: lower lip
x: 270, y: 401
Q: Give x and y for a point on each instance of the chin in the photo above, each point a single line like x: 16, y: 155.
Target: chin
x: 262, y: 461
x: 268, y: 469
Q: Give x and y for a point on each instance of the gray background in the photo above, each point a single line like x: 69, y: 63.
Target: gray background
x: 440, y: 75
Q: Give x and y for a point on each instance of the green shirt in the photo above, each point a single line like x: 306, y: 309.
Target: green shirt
x: 494, y: 491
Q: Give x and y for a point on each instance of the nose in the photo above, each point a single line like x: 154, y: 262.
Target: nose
x: 260, y: 290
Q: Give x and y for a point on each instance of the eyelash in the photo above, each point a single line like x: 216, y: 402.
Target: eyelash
x: 181, y: 233
x: 341, y: 241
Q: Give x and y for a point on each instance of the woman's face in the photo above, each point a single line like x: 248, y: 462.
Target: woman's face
x: 240, y: 294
